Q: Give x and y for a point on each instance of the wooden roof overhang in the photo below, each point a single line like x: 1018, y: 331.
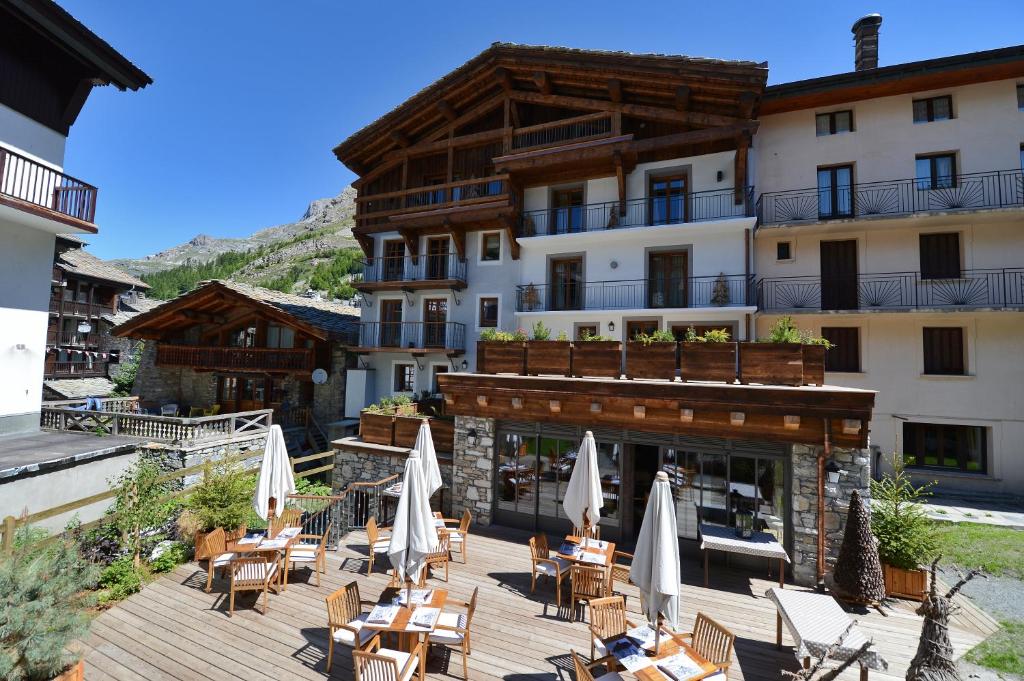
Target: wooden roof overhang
x: 211, y: 303
x: 751, y: 412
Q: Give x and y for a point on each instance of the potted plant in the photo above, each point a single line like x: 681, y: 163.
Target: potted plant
x: 377, y: 422
x: 223, y: 498
x: 720, y: 291
x: 598, y: 356
x: 46, y: 594
x: 546, y: 356
x: 709, y: 357
x: 906, y: 536
x: 407, y: 427
x: 776, y: 359
x: 501, y: 352
x: 813, y: 351
x: 652, y: 356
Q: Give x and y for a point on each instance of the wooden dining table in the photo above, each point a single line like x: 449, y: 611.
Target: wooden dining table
x: 670, y: 646
x: 608, y: 552
x: 278, y: 545
x: 407, y: 639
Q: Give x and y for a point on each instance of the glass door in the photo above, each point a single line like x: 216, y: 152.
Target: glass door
x: 835, y: 192
x: 567, y: 210
x: 394, y: 261
x: 668, y: 200
x: 437, y: 258
x: 390, y: 323
x: 667, y: 279
x: 435, y: 318
x: 566, y: 284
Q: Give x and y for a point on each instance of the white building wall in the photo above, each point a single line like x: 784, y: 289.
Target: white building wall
x: 29, y: 138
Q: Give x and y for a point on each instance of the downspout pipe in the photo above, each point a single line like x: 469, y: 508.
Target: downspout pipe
x: 826, y: 453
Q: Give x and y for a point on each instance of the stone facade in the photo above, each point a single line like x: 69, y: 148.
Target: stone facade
x: 329, y: 398
x: 170, y: 457
x: 162, y: 385
x: 369, y: 463
x: 473, y: 468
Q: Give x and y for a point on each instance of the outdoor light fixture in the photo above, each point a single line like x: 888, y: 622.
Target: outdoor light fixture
x: 84, y: 327
x: 833, y: 472
x: 465, y: 365
x: 721, y: 176
x: 611, y: 326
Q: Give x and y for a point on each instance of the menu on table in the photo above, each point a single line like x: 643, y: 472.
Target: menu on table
x: 591, y: 557
x: 629, y: 655
x: 382, y: 615
x: 274, y: 543
x: 289, y: 532
x: 417, y: 597
x: 644, y: 635
x: 569, y: 549
x: 423, y: 619
x: 679, y: 667
x: 252, y: 538
x: 595, y: 544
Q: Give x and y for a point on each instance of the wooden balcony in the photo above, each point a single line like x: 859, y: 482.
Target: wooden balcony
x: 461, y: 201
x: 235, y: 359
x: 73, y: 339
x: 74, y: 369
x: 38, y: 189
x: 409, y: 273
x: 79, y: 308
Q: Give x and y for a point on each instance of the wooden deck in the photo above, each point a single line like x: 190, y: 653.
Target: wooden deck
x: 173, y: 630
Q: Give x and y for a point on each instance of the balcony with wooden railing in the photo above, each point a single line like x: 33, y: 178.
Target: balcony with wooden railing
x: 72, y: 339
x: 76, y: 369
x: 431, y: 201
x: 235, y: 359
x: 79, y: 308
x: 39, y: 189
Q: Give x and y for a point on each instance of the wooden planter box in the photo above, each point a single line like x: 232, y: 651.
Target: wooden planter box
x: 406, y: 430
x: 548, y: 357
x: 75, y: 672
x: 708, y: 361
x: 597, y: 358
x: 500, y: 358
x: 656, y: 360
x: 771, y: 363
x: 443, y: 432
x: 911, y: 584
x: 814, y: 364
x: 376, y: 429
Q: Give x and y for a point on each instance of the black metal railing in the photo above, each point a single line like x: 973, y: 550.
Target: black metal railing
x: 437, y: 267
x: 967, y: 191
x: 441, y: 336
x: 997, y: 288
x: 672, y: 210
x: 627, y: 294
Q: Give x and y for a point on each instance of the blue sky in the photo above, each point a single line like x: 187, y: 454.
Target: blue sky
x: 249, y: 98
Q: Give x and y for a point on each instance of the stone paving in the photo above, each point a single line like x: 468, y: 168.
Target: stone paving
x: 1004, y: 514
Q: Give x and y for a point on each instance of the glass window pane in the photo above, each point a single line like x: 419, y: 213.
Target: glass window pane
x: 712, y: 489
x: 609, y: 458
x: 844, y: 121
x: 743, y: 493
x: 921, y: 111
x: 287, y: 337
x: 941, y: 108
x: 944, y: 172
x: 516, y: 476
x: 273, y: 336
x: 554, y: 466
x: 825, y: 192
x: 822, y: 125
x: 772, y: 508
x: 682, y: 468
x: 923, y: 173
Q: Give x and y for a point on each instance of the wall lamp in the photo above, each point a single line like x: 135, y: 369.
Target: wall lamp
x: 465, y: 365
x: 611, y: 326
x: 833, y: 472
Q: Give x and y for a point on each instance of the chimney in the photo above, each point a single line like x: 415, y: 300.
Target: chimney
x: 865, y: 37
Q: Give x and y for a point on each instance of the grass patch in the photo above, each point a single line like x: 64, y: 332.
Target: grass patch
x: 996, y: 550
x: 1003, y: 651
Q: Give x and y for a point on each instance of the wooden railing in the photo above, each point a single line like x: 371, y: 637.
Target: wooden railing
x: 576, y: 129
x: 26, y: 180
x: 158, y: 428
x: 75, y: 369
x: 81, y: 308
x: 72, y: 338
x: 281, y: 359
x: 433, y: 197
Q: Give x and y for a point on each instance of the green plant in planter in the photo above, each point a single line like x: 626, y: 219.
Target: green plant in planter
x: 43, y: 609
x: 562, y: 336
x: 588, y: 337
x: 223, y: 498
x: 710, y: 336
x: 496, y: 336
x: 541, y: 332
x: 785, y: 330
x: 657, y: 336
x: 906, y: 536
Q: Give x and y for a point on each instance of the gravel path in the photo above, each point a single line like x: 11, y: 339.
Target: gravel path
x: 1001, y: 597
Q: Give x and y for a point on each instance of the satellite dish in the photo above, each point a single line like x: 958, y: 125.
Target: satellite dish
x: 319, y: 376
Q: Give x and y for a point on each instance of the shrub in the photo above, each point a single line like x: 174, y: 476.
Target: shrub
x: 541, y: 332
x: 496, y: 336
x: 140, y: 505
x: 223, y: 498
x: 562, y: 336
x: 784, y: 330
x: 173, y: 556
x: 120, y: 580
x: 588, y: 337
x: 710, y: 336
x: 906, y: 536
x: 306, y: 486
x: 657, y: 336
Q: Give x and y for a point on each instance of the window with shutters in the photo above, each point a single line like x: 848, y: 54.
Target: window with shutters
x: 946, y: 446
x: 944, y: 351
x: 845, y: 355
x: 940, y: 255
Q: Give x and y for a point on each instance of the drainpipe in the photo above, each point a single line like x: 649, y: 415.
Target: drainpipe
x: 826, y: 453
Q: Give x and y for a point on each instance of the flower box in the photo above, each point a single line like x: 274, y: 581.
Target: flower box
x: 406, y: 430
x: 495, y: 357
x: 376, y: 429
x: 548, y: 357
x: 707, y: 361
x: 901, y: 583
x: 651, y: 360
x: 814, y: 364
x: 75, y: 672
x: 597, y: 359
x: 771, y: 363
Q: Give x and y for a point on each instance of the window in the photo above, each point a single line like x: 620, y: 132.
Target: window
x: 394, y: 260
x: 833, y: 123
x: 668, y: 199
x: 944, y: 351
x: 405, y: 378
x: 637, y: 327
x: 936, y: 171
x: 490, y: 247
x: 488, y: 315
x: 943, y: 445
x: 566, y: 290
x: 278, y: 391
x: 280, y: 337
x: 1020, y: 96
x: 835, y: 191
x: 784, y: 250
x: 940, y: 256
x: 435, y: 385
x: 933, y: 109
x: 845, y: 356
x: 585, y: 330
x: 567, y: 210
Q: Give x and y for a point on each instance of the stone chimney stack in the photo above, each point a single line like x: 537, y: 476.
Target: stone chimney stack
x: 865, y: 37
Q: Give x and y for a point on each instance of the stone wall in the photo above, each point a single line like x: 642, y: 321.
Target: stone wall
x: 329, y: 398
x: 473, y: 468
x: 857, y: 466
x: 370, y: 463
x: 170, y: 457
x: 161, y: 385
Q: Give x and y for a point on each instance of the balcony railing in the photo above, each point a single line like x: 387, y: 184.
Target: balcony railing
x: 32, y: 182
x: 75, y: 369
x: 627, y: 294
x: 80, y: 308
x: 265, y: 359
x: 973, y: 191
x: 692, y: 207
x: 72, y: 338
x: 893, y: 291
x: 442, y: 267
x: 439, y: 336
x: 569, y: 130
x: 378, y: 207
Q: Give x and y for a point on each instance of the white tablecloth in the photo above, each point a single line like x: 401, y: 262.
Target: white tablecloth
x: 718, y: 538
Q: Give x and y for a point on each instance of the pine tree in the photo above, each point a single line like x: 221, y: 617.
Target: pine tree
x: 858, y: 571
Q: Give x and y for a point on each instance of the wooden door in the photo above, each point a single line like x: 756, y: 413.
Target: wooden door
x: 393, y: 265
x: 839, y: 275
x: 251, y: 393
x: 437, y: 258
x: 435, y: 318
x: 567, y: 210
x: 227, y: 394
x: 566, y: 284
x: 390, y: 323
x: 668, y: 200
x: 667, y: 279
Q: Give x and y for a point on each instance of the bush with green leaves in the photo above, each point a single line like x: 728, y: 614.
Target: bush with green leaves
x: 309, y: 487
x: 656, y: 336
x: 588, y: 337
x: 173, y: 556
x: 709, y: 336
x: 141, y: 505
x: 45, y: 595
x: 223, y: 498
x: 785, y: 330
x: 907, y: 538
x: 541, y: 332
x: 124, y: 380
x: 121, y: 579
x: 498, y: 336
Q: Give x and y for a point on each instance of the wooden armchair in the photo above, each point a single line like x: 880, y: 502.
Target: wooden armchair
x: 607, y: 618
x: 543, y: 564
x: 439, y: 556
x: 453, y: 629
x: 584, y: 673
x: 620, y: 570
x: 377, y: 543
x: 383, y: 664
x: 308, y: 553
x: 587, y: 532
x: 711, y: 641
x: 345, y: 619
x: 214, y: 548
x: 290, y: 517
x: 588, y: 583
x: 458, y: 535
x: 253, y: 574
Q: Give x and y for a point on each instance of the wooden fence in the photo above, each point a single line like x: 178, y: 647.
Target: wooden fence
x: 157, y: 428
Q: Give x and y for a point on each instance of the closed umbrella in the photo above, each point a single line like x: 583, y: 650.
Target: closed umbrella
x: 276, y: 480
x: 425, y: 446
x: 655, y: 569
x: 583, y: 494
x: 413, y: 535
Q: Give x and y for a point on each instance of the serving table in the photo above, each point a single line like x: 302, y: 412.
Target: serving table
x: 718, y: 538
x: 645, y: 664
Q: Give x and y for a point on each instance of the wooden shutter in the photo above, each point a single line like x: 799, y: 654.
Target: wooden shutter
x: 944, y: 350
x: 845, y: 356
x: 940, y: 256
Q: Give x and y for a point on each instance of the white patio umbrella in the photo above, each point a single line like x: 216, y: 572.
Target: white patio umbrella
x: 413, y: 535
x: 276, y: 480
x: 583, y: 493
x: 655, y: 569
x: 431, y: 471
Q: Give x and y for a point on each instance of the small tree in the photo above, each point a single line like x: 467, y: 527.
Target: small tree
x: 223, y: 498
x: 124, y: 381
x: 906, y: 536
x: 858, y: 572
x: 720, y: 291
x: 139, y: 506
x: 935, y: 660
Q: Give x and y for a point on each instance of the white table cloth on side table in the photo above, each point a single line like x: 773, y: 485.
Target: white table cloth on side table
x: 718, y: 538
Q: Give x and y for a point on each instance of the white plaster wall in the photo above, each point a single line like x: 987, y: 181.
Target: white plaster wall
x: 29, y: 138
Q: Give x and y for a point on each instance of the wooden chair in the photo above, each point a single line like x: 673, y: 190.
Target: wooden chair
x: 588, y: 583
x: 306, y: 553
x: 193, y: 412
x: 253, y: 574
x: 214, y: 547
x: 453, y: 629
x: 607, y: 618
x: 440, y: 556
x: 546, y: 566
x: 711, y: 641
x: 458, y: 535
x: 584, y: 673
x: 345, y: 619
x: 212, y: 411
x: 377, y: 543
x: 588, y: 532
x: 620, y: 570
x: 383, y: 664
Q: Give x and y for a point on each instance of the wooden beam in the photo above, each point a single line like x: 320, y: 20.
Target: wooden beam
x: 693, y: 137
x: 412, y: 243
x: 747, y: 101
x: 458, y: 237
x: 510, y: 232
x: 504, y: 79
x: 365, y: 242
x: 615, y: 89
x: 543, y: 82
x: 197, y: 316
x: 740, y: 168
x: 620, y: 178
x: 400, y: 138
x: 656, y: 113
x: 683, y: 97
x: 426, y: 148
x: 447, y: 110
